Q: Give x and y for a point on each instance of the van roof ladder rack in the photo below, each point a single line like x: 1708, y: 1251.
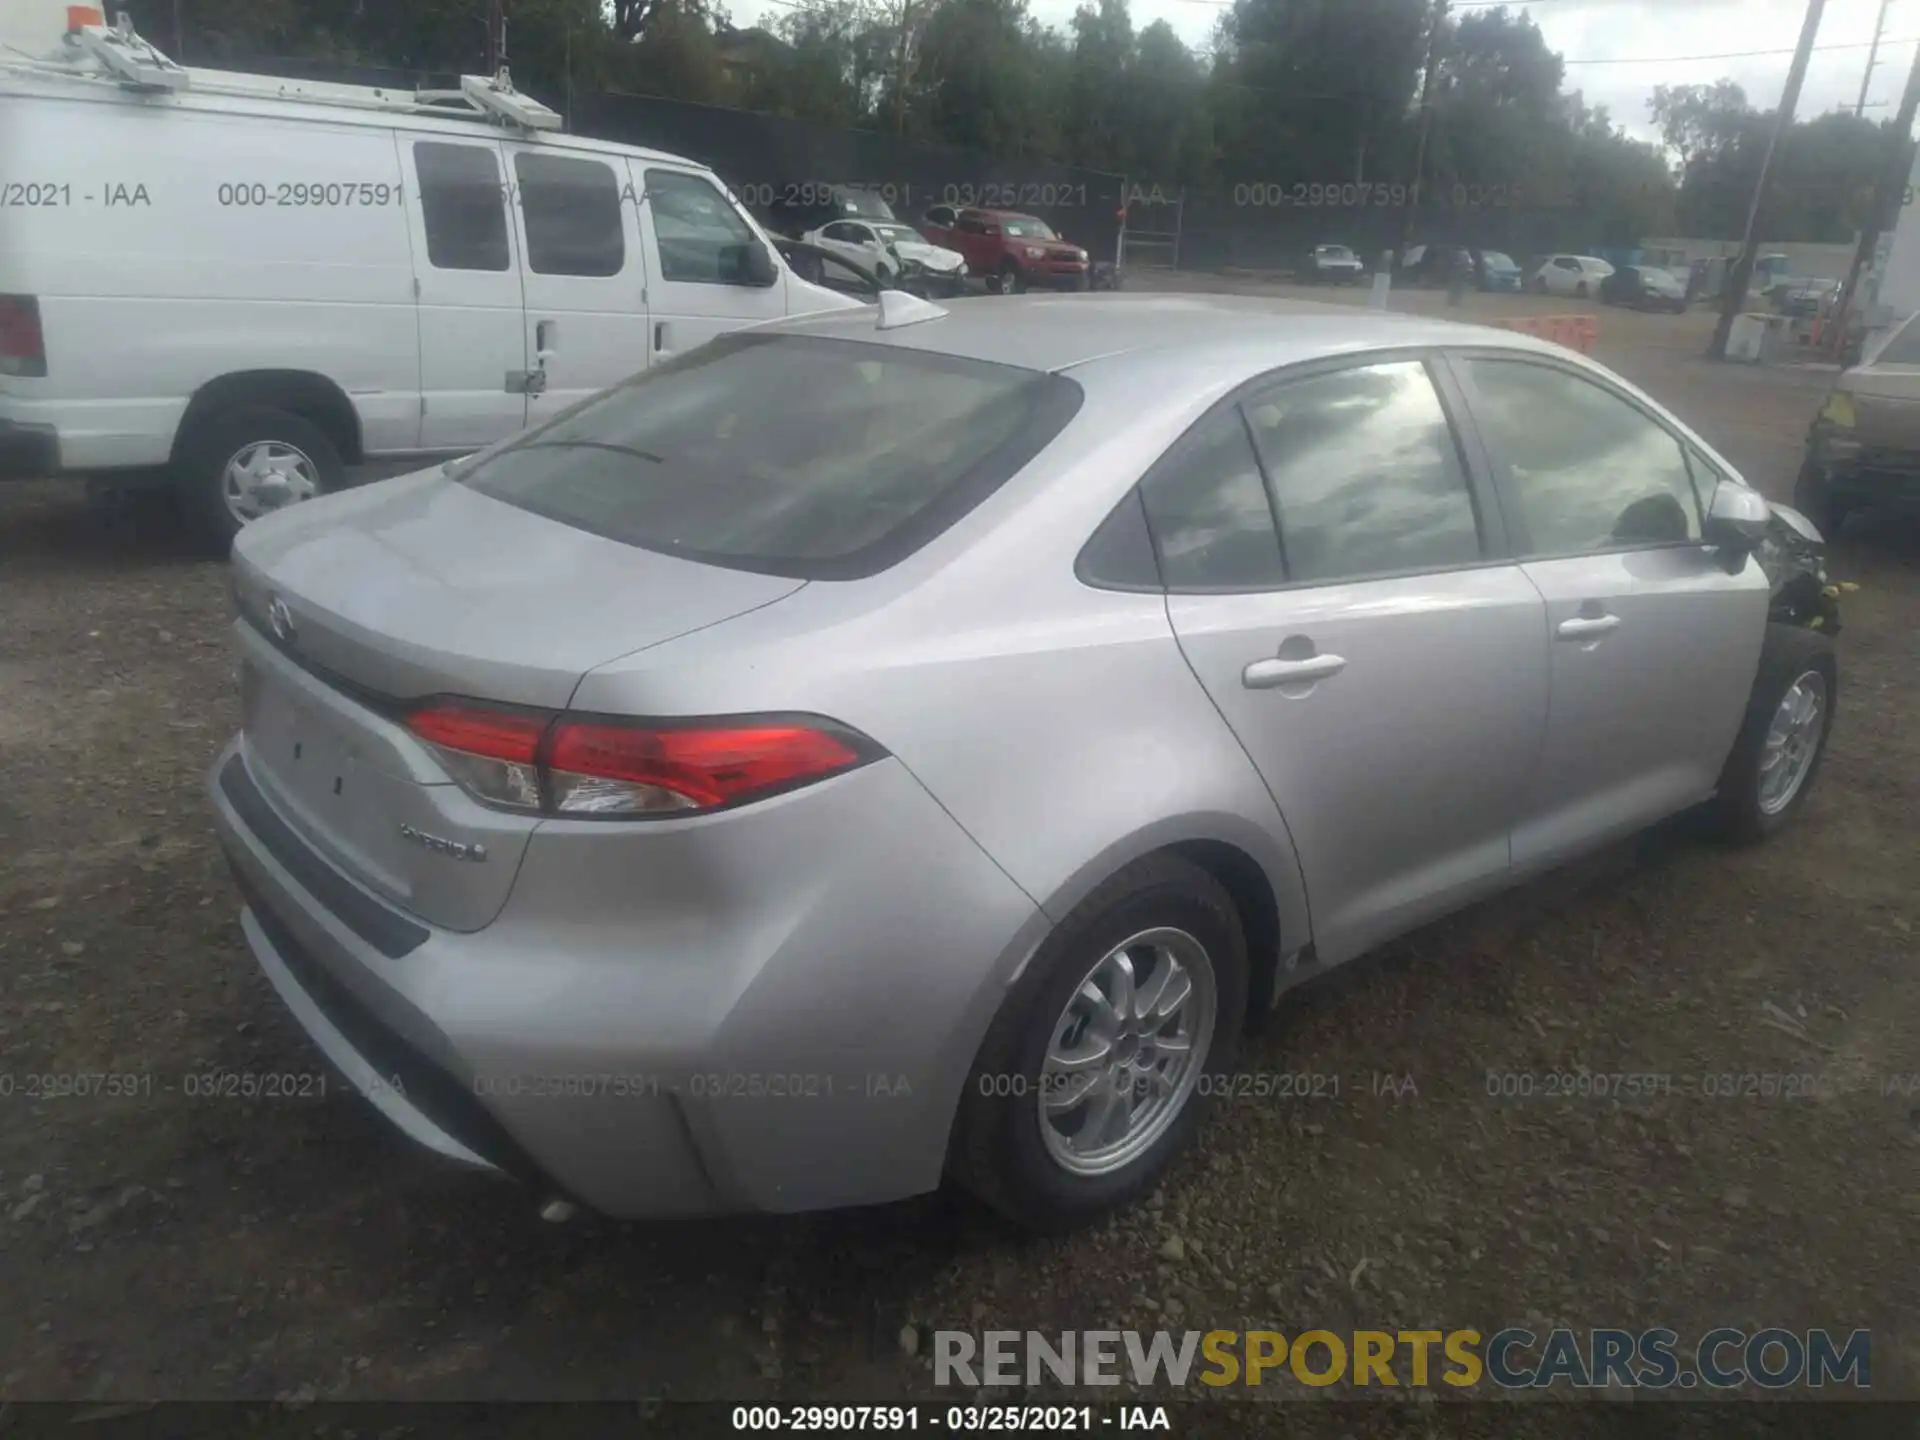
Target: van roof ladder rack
x: 120, y: 55
x: 126, y: 57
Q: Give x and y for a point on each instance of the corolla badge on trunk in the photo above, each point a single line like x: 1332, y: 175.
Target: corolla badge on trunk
x: 280, y: 617
x: 453, y: 849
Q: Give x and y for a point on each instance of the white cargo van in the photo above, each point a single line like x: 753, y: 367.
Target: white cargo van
x: 239, y: 284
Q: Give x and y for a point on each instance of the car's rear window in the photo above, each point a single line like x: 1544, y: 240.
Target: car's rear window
x: 783, y: 454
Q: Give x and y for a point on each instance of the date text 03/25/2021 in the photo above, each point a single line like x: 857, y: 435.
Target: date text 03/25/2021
x: 971, y: 1419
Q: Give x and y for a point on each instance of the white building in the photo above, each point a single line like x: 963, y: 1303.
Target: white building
x: 1892, y: 291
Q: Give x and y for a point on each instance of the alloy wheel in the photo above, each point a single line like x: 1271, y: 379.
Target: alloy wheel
x: 1127, y: 1052
x: 1793, y: 742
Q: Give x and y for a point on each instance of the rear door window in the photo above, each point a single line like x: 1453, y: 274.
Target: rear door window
x: 1207, y: 508
x: 1366, y: 474
x: 462, y: 206
x: 787, y: 455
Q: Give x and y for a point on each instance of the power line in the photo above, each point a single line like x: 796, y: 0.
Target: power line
x: 1727, y: 55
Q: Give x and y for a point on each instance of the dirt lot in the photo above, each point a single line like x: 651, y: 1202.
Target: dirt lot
x: 159, y: 1246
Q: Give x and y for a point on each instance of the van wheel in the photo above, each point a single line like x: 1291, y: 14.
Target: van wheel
x: 246, y: 463
x: 1094, y: 1075
x: 1783, y: 738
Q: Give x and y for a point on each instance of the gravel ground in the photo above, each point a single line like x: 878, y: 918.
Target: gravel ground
x: 157, y: 1246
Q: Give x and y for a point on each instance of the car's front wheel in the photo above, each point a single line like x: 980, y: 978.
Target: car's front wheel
x: 1782, y: 738
x: 1094, y: 1074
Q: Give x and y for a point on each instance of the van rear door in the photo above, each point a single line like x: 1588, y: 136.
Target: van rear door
x: 583, y: 274
x: 473, y: 341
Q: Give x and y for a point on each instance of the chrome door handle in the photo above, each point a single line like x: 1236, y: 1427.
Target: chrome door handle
x: 1586, y: 627
x: 1269, y: 674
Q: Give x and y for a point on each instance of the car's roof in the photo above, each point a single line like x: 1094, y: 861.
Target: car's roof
x: 1057, y: 332
x: 997, y: 214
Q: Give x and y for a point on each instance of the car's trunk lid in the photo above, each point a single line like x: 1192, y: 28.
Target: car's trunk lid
x: 355, y: 606
x: 422, y: 586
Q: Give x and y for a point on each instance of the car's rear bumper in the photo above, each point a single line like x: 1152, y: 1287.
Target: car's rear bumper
x: 1882, y: 485
x: 1058, y: 277
x: 28, y: 452
x: 753, y: 1020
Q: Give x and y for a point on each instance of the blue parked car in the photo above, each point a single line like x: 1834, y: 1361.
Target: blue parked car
x: 1498, y: 272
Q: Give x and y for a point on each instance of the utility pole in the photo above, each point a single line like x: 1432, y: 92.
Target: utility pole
x: 496, y: 36
x: 1426, y: 124
x: 900, y: 67
x: 1886, y: 197
x: 1873, y: 59
x: 1749, y: 248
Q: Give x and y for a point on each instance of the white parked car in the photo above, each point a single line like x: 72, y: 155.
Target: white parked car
x: 893, y: 252
x: 1575, y: 275
x: 240, y: 285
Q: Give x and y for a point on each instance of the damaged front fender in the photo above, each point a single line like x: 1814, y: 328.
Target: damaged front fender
x: 1793, y: 554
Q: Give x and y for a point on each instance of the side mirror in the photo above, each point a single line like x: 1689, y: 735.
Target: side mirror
x: 1737, y: 518
x: 754, y: 264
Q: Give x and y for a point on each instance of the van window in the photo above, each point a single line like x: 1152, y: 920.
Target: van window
x: 462, y: 207
x: 572, y: 212
x: 702, y: 238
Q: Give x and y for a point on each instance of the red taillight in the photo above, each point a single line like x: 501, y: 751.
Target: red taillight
x: 491, y: 734
x: 554, y: 765
x: 23, y: 349
x: 694, y: 768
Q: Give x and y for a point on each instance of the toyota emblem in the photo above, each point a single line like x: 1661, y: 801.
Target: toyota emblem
x: 280, y: 617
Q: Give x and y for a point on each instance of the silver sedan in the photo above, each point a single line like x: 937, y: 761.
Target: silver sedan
x: 903, y: 744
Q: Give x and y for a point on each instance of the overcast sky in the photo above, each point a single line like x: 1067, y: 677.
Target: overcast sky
x: 1623, y: 42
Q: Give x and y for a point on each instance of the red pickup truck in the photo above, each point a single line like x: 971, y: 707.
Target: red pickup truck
x: 1013, y: 251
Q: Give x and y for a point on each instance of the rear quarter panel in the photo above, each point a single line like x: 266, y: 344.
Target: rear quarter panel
x: 1058, y: 724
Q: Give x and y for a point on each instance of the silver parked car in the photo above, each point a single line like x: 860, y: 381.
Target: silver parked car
x: 901, y: 743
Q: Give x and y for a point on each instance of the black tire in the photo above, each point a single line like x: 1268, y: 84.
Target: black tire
x: 214, y: 441
x: 1539, y: 285
x: 998, y: 1151
x: 1008, y: 280
x: 1788, y: 654
x: 1580, y: 291
x: 1814, y: 498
